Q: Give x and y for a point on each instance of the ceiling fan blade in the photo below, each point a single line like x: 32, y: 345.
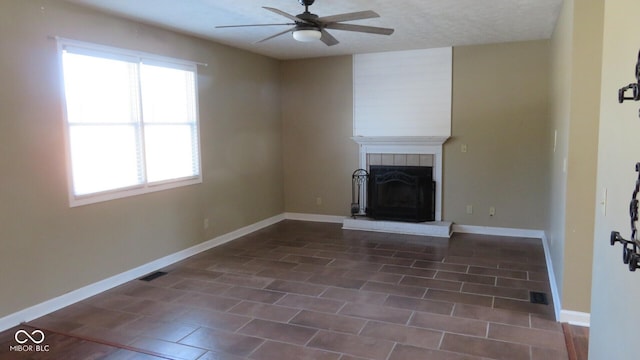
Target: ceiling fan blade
x: 360, y: 28
x: 288, y: 16
x: 276, y: 35
x: 368, y: 14
x: 235, y: 26
x: 328, y: 39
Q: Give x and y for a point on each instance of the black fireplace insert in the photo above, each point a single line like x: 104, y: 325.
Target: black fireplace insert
x: 402, y: 193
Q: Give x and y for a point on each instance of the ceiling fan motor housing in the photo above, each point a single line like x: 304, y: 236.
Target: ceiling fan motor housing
x: 311, y: 19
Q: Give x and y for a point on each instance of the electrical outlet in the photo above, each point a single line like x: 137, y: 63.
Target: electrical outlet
x: 206, y: 223
x: 469, y: 209
x: 492, y: 211
x: 463, y: 148
x: 318, y: 201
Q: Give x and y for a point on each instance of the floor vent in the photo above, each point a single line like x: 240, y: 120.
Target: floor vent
x: 153, y: 276
x: 538, y: 297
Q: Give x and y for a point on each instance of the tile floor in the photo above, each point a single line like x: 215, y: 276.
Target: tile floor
x: 301, y: 290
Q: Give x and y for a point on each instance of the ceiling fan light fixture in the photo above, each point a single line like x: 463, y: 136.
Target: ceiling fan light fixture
x: 307, y: 35
x: 309, y: 27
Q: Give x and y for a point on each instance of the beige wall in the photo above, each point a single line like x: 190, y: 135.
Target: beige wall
x: 616, y: 290
x: 47, y: 248
x: 317, y: 117
x: 576, y: 60
x: 500, y: 113
x: 560, y: 112
x: 583, y: 151
x: 500, y: 95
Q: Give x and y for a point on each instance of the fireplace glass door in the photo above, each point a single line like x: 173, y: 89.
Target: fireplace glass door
x: 402, y: 193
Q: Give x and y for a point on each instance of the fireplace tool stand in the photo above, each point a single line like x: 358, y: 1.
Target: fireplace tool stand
x: 359, y: 181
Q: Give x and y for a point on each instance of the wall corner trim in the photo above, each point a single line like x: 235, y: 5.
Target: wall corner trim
x: 82, y: 293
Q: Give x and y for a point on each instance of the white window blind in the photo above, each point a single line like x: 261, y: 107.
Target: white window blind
x: 131, y: 120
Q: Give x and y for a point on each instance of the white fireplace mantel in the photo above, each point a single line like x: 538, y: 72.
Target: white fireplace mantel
x: 407, y: 145
x: 404, y: 140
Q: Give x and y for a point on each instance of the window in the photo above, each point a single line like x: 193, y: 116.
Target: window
x: 131, y: 122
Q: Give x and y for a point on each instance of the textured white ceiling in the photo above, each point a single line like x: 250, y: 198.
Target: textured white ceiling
x: 417, y: 23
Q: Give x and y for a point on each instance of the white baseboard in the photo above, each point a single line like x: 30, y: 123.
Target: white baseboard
x: 557, y: 303
x: 562, y: 315
x: 498, y: 231
x: 575, y: 318
x: 82, y: 293
x: 315, y: 217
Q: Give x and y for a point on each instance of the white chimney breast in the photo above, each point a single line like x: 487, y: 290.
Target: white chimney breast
x: 403, y: 93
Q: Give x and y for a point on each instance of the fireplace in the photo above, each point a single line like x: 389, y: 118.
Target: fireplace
x: 427, y: 147
x: 402, y: 193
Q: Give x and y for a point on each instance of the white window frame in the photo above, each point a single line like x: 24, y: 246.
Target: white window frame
x: 145, y: 187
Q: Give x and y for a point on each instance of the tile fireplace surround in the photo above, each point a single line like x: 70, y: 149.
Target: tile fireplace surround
x: 410, y: 150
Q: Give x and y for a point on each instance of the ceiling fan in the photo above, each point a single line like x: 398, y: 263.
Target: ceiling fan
x: 309, y: 27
